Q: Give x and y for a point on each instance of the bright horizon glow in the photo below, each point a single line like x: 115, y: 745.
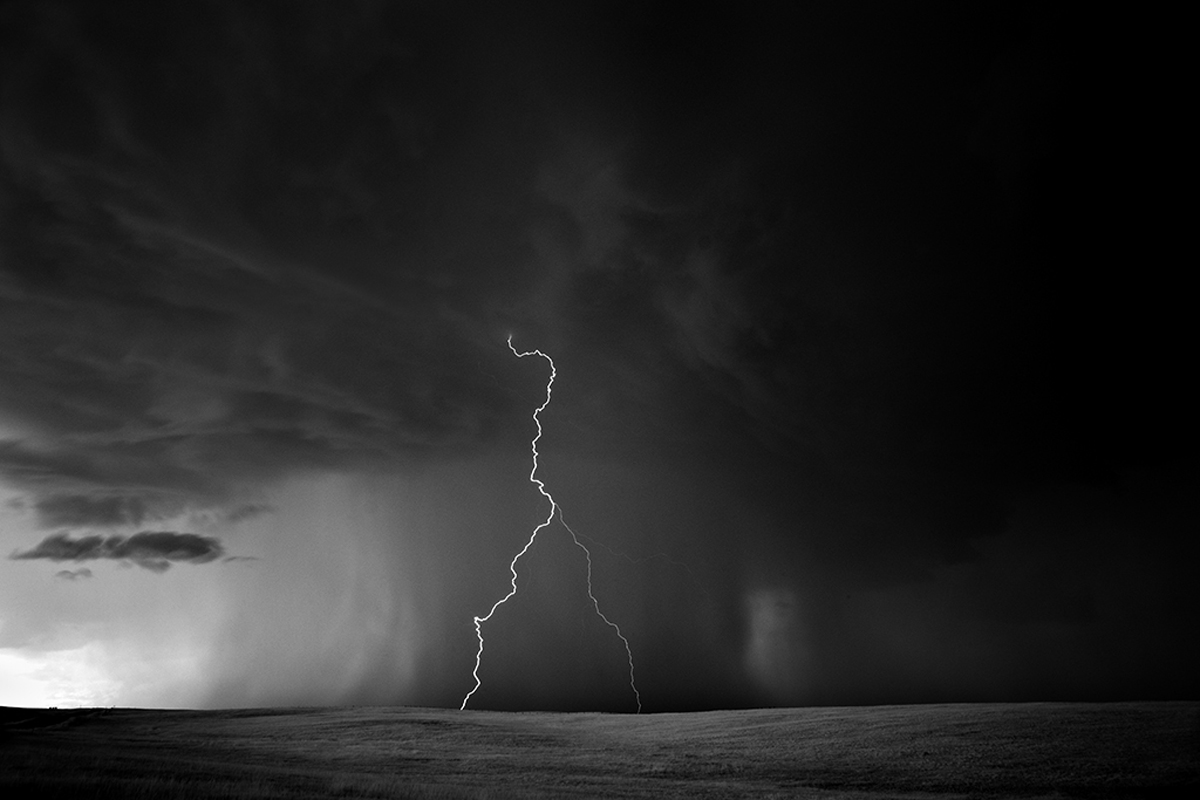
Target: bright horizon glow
x: 62, y: 678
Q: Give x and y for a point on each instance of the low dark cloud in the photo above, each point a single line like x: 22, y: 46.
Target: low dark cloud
x: 73, y: 574
x: 152, y: 550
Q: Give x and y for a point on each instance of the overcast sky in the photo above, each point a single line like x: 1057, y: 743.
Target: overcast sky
x: 871, y: 352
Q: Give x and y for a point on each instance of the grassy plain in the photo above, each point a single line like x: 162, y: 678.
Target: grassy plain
x: 1038, y: 750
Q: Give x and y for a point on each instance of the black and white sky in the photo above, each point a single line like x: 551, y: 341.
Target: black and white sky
x: 869, y: 320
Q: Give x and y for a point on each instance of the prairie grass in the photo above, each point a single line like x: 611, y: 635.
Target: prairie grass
x: 1040, y: 750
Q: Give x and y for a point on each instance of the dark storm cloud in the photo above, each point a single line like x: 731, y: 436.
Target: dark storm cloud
x: 799, y: 266
x: 358, y: 203
x: 866, y: 274
x: 317, y: 279
x: 863, y: 262
x: 153, y: 550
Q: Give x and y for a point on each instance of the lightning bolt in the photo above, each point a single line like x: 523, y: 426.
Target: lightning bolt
x: 621, y: 554
x: 555, y: 510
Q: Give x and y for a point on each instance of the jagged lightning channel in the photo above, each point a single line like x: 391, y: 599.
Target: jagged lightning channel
x: 555, y: 509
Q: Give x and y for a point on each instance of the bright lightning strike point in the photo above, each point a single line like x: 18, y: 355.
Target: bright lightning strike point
x: 512, y: 566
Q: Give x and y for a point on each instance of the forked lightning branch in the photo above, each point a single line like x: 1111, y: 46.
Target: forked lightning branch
x: 554, y: 510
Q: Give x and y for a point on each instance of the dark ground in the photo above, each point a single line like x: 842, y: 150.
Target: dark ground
x: 1035, y: 750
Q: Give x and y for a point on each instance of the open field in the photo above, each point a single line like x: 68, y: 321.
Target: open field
x: 1039, y: 750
